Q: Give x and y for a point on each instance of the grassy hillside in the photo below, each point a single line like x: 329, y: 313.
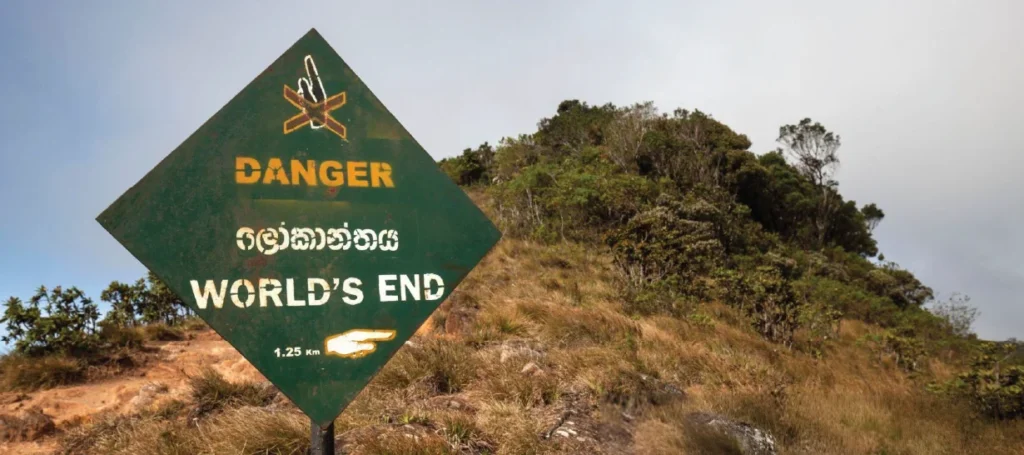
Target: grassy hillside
x: 621, y: 383
x: 655, y: 276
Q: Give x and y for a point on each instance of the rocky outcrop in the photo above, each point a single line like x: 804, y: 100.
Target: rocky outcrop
x: 751, y: 440
x: 147, y: 394
x: 31, y: 426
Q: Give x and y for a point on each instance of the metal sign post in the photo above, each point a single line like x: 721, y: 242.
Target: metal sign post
x: 307, y: 227
x: 322, y: 442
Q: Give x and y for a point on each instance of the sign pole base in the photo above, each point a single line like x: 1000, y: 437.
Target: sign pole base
x: 322, y: 439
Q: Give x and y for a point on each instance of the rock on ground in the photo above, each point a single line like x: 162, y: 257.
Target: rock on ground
x: 751, y: 440
x: 147, y: 394
x: 31, y: 426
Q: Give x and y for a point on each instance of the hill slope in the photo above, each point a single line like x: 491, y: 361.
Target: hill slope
x: 534, y: 354
x: 661, y: 289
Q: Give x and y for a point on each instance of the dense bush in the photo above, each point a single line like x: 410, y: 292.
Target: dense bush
x: 674, y: 238
x: 147, y: 301
x: 690, y: 214
x: 766, y: 296
x: 575, y: 199
x: 472, y: 167
x: 995, y: 381
x: 57, y: 321
x: 63, y: 321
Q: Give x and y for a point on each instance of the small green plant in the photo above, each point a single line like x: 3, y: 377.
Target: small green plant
x: 414, y: 417
x: 822, y: 324
x: 701, y: 320
x: 460, y: 431
x: 905, y: 350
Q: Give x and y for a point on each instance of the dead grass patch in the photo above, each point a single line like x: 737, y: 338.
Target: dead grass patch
x: 18, y: 372
x: 506, y: 382
x: 252, y: 430
x: 194, y: 324
x: 657, y: 437
x: 211, y: 393
x: 397, y: 443
x: 162, y: 332
x: 445, y: 366
x: 243, y: 430
x: 514, y: 429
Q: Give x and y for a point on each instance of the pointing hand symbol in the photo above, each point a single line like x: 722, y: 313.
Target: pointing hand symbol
x: 312, y: 89
x: 356, y: 342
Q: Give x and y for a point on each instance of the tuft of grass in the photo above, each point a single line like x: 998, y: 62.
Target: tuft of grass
x: 513, y: 426
x: 570, y: 327
x: 460, y: 430
x: 445, y: 366
x: 168, y: 409
x: 162, y: 332
x: 252, y: 430
x: 632, y: 390
x: 194, y: 324
x: 19, y: 372
x: 668, y: 436
x: 413, y: 417
x: 128, y: 434
x: 505, y: 382
x: 121, y: 337
x: 503, y: 322
x: 394, y: 443
x: 211, y: 393
x: 243, y: 430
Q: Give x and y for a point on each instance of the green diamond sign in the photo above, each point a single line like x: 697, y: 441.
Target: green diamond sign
x: 306, y: 226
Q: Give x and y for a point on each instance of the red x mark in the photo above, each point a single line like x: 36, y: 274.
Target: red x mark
x: 320, y: 112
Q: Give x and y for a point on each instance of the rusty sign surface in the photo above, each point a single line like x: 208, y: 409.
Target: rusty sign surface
x: 306, y: 226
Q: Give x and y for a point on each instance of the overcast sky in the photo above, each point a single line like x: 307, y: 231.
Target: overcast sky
x: 928, y: 97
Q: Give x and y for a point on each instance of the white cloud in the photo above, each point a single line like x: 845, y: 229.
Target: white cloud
x: 925, y: 94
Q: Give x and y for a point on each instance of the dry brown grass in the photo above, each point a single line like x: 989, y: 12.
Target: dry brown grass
x: 612, y: 374
x: 24, y: 373
x: 211, y: 393
x: 163, y: 332
x: 243, y: 430
x: 847, y: 402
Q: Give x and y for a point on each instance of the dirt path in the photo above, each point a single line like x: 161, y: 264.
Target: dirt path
x: 172, y: 364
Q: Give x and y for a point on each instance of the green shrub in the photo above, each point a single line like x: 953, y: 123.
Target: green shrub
x: 657, y: 297
x: 993, y: 384
x: 822, y: 324
x: 577, y: 198
x: 472, y: 167
x: 673, y: 238
x: 906, y: 351
x: 58, y: 321
x: 147, y: 301
x: 851, y: 300
x: 766, y: 297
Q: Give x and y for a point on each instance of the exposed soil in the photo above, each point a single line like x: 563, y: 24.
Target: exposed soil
x: 171, y: 364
